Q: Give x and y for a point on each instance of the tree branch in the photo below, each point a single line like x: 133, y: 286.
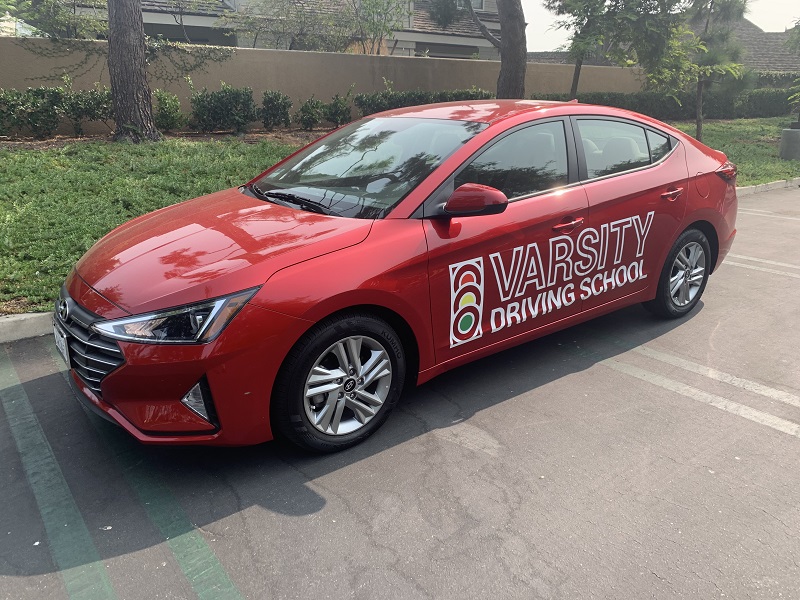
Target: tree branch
x: 484, y: 30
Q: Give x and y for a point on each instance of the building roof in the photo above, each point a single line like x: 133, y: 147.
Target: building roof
x: 203, y: 8
x: 765, y: 50
x: 462, y: 25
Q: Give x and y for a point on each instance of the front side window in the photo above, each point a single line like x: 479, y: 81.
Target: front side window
x: 612, y: 147
x: 365, y: 169
x: 524, y: 162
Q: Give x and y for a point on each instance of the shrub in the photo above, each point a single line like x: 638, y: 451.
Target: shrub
x: 775, y: 79
x: 39, y: 110
x: 337, y: 111
x: 765, y: 102
x: 716, y: 106
x: 794, y: 100
x: 389, y: 98
x: 655, y: 104
x: 168, y: 115
x: 275, y: 108
x: 86, y: 105
x: 310, y: 113
x: 10, y: 101
x: 227, y: 109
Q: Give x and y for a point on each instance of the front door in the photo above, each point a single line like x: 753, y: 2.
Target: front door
x: 496, y: 277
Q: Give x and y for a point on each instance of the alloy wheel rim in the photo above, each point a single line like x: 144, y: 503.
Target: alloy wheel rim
x: 687, y: 275
x: 347, y: 385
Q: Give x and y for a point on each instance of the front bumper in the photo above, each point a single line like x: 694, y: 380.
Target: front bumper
x: 143, y: 394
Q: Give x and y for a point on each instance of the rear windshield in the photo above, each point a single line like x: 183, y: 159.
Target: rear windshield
x: 365, y: 169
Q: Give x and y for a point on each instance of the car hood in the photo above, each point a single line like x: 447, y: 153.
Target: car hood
x: 207, y: 247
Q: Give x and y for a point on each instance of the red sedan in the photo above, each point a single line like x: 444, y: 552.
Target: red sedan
x: 393, y: 249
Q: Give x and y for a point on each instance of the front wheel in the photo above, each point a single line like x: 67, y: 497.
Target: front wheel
x: 339, y: 383
x: 683, y: 277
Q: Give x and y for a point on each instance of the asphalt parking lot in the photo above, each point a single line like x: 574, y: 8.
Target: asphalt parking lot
x: 625, y: 458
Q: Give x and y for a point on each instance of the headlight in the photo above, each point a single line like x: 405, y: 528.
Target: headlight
x: 194, y: 323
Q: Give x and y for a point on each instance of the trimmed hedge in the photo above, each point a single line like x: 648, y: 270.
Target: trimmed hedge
x: 749, y: 104
x: 275, y: 107
x: 167, y: 111
x: 310, y: 113
x: 229, y: 109
x: 337, y: 111
x: 389, y: 99
x: 39, y: 111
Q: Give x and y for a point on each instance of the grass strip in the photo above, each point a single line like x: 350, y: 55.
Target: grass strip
x: 56, y: 203
x: 752, y: 145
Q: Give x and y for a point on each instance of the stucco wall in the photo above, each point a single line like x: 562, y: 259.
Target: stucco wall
x: 301, y: 74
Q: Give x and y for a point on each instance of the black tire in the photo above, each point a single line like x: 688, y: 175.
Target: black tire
x: 294, y: 419
x: 664, y: 304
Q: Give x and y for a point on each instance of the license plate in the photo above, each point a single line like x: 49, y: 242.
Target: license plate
x: 61, y: 344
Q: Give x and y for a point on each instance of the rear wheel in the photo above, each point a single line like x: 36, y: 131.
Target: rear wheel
x: 683, y: 277
x: 339, y: 383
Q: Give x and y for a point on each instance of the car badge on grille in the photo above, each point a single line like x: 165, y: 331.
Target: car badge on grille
x: 63, y: 309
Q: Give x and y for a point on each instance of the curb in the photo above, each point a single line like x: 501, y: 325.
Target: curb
x: 765, y: 187
x: 28, y: 325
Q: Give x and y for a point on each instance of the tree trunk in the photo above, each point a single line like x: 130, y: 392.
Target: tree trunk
x: 133, y: 102
x: 576, y: 76
x: 698, y: 135
x: 513, y: 50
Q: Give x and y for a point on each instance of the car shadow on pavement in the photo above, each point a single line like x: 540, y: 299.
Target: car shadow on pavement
x: 150, y: 493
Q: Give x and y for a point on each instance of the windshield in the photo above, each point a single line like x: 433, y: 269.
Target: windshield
x: 365, y: 169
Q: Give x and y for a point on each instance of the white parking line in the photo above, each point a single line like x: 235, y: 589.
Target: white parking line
x: 763, y: 269
x: 758, y: 210
x: 751, y: 414
x: 740, y: 382
x: 746, y: 211
x: 764, y: 260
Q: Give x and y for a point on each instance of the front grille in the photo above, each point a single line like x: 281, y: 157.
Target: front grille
x: 91, y: 355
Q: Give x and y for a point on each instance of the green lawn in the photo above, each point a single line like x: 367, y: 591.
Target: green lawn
x: 752, y: 145
x: 55, y: 203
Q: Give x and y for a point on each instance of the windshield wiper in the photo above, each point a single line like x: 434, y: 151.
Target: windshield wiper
x: 287, y: 197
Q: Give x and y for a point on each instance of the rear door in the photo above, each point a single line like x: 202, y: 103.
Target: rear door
x: 495, y: 277
x: 636, y: 183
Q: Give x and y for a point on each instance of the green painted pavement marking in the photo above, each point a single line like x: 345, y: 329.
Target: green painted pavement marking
x: 196, y: 559
x: 71, y: 547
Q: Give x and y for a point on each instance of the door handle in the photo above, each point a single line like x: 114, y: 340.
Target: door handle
x: 673, y: 194
x: 571, y: 225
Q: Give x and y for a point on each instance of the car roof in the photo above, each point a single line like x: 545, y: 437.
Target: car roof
x: 481, y: 111
x: 495, y: 111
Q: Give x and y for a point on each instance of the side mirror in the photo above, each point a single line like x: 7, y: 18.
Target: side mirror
x: 473, y: 199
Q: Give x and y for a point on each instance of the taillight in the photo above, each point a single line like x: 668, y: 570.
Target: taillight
x: 727, y: 171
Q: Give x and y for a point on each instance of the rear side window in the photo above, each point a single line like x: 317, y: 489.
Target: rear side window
x: 524, y: 162
x: 612, y: 147
x: 659, y: 145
